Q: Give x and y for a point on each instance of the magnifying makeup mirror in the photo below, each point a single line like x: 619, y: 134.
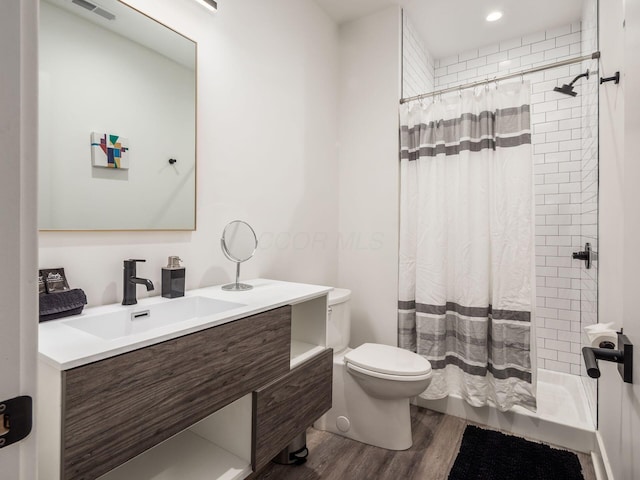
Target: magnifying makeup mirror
x: 239, y: 243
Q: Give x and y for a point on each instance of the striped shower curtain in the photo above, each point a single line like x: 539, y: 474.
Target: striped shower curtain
x: 467, y: 244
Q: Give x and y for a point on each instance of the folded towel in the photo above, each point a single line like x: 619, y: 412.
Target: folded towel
x: 61, y: 304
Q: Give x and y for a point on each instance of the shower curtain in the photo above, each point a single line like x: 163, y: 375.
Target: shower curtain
x: 467, y: 244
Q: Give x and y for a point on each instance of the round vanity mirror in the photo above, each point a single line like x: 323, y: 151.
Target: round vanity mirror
x: 239, y: 243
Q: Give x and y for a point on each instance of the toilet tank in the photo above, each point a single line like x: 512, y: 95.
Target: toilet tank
x: 338, y: 319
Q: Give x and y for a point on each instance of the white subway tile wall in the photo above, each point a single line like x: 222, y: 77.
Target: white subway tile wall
x: 418, y: 70
x: 564, y: 138
x: 515, y: 55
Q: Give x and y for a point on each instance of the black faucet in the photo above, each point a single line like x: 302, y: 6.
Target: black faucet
x: 130, y: 282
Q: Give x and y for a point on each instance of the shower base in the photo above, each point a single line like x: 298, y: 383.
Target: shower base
x: 563, y: 417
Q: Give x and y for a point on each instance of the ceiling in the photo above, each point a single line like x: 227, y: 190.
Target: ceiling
x: 140, y: 28
x: 447, y: 31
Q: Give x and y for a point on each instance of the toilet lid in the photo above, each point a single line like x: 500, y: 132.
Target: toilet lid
x: 387, y: 359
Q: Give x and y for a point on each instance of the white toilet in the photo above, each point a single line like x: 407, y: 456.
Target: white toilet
x: 372, y: 384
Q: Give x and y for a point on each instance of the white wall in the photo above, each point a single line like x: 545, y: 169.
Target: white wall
x: 619, y: 403
x: 94, y: 80
x: 18, y: 124
x: 369, y: 92
x: 630, y: 406
x: 267, y: 109
x: 611, y: 261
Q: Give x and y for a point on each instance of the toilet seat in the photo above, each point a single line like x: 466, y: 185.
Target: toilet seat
x: 385, y: 361
x: 388, y: 376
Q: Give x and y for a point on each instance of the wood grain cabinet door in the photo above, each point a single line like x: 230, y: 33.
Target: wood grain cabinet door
x: 119, y: 407
x: 288, y: 406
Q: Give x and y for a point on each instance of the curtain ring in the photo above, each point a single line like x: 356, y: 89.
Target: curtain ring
x: 460, y: 91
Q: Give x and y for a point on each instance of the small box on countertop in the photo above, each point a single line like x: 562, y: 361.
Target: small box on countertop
x: 55, y: 280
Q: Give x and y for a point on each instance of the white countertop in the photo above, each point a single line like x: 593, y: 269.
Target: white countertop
x: 65, y: 347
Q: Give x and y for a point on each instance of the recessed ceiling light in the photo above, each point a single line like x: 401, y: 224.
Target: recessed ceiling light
x: 493, y: 16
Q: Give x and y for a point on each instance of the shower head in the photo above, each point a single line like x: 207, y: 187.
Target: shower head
x: 568, y: 89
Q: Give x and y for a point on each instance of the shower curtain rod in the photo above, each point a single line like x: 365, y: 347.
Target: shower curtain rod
x: 569, y: 61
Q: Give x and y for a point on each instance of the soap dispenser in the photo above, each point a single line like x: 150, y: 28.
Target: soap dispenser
x: 173, y: 279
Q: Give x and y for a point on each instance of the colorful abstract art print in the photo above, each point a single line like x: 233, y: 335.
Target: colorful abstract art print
x: 109, y: 151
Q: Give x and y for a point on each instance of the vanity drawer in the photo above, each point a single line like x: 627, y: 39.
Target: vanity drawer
x: 117, y: 408
x: 289, y: 405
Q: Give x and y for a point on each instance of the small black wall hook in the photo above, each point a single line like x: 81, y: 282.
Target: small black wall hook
x: 615, y: 78
x: 172, y: 161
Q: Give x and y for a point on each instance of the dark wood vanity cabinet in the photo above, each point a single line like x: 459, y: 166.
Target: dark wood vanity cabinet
x: 228, y: 398
x: 287, y: 406
x: 117, y: 408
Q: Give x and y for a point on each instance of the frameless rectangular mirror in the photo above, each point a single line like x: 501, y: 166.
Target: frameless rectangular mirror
x: 117, y: 132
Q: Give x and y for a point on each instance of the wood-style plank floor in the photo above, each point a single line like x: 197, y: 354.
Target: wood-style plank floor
x: 436, y: 441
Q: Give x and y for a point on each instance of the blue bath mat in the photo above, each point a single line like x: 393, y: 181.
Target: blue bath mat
x: 489, y: 455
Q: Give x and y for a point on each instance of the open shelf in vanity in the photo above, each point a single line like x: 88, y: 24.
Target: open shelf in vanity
x: 197, y: 453
x: 237, y: 437
x: 308, y: 333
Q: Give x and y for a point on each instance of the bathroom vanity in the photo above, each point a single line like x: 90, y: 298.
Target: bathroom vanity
x: 214, y: 389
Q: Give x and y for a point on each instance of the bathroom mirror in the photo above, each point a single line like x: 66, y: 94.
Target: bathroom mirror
x: 239, y: 243
x: 117, y: 113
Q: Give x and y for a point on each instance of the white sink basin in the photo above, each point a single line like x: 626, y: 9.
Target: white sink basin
x: 140, y: 318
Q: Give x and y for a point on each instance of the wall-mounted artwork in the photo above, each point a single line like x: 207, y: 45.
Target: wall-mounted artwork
x: 109, y: 151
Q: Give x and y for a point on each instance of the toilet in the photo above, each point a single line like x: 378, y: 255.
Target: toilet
x: 372, y: 384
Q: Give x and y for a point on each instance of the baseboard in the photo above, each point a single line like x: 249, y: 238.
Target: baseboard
x: 600, y: 460
x: 598, y: 466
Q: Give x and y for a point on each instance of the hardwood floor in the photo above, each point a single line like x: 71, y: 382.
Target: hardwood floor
x: 437, y: 438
